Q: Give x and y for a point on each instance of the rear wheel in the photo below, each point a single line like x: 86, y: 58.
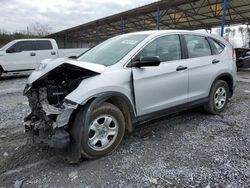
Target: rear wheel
x: 1, y: 72
x: 218, y: 97
x: 104, y: 132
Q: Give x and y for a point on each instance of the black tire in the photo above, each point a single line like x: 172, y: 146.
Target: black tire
x: 211, y: 106
x: 1, y: 71
x: 104, y: 109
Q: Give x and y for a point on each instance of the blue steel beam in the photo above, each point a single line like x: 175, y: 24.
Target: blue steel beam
x: 82, y: 39
x: 97, y: 35
x: 223, y: 20
x: 158, y: 21
x: 65, y: 40
x: 122, y: 25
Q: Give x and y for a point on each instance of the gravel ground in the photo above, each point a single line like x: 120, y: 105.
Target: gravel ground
x: 189, y: 149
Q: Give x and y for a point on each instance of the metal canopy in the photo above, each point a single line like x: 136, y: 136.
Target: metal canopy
x: 165, y: 14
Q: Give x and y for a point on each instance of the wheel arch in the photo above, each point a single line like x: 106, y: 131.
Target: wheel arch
x: 228, y: 79
x: 119, y: 100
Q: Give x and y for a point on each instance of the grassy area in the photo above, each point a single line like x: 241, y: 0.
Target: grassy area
x: 5, y: 38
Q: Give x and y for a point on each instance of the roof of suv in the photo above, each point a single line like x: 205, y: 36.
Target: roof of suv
x: 167, y: 31
x: 197, y: 32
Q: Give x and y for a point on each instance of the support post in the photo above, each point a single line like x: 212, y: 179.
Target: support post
x: 122, y: 25
x: 158, y: 21
x: 81, y: 39
x: 225, y: 2
x: 65, y: 40
x: 97, y: 35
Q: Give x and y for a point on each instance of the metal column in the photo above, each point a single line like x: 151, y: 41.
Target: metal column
x: 158, y: 21
x: 97, y: 35
x: 225, y: 2
x: 65, y: 40
x: 122, y: 25
x: 81, y: 39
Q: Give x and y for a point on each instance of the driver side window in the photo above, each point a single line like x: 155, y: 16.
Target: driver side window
x: 167, y: 48
x: 22, y: 46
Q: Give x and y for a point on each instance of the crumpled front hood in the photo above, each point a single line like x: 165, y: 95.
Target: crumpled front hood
x: 48, y: 65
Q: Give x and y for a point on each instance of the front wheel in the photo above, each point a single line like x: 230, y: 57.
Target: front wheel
x: 218, y: 97
x: 104, y: 132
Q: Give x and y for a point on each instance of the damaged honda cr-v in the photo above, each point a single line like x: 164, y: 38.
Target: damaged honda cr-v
x: 85, y: 105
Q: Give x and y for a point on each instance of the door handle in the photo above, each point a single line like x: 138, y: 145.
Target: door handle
x: 215, y: 61
x: 179, y: 68
x: 53, y: 53
x: 32, y: 54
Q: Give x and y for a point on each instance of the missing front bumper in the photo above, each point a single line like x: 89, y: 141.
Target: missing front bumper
x: 48, y: 131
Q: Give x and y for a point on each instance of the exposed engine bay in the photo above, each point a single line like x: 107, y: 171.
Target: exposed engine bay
x: 46, y: 100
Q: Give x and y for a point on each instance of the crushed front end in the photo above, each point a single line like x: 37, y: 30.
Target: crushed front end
x: 50, y: 115
x: 48, y: 121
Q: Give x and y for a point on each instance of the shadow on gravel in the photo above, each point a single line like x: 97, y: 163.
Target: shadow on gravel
x: 145, y: 130
x: 12, y: 77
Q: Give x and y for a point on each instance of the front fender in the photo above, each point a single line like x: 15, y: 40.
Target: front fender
x: 3, y: 66
x: 118, y: 81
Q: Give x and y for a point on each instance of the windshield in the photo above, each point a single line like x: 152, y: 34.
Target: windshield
x: 5, y: 44
x: 112, y: 50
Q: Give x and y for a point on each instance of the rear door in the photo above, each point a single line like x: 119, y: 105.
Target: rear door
x: 22, y: 56
x: 203, y: 62
x: 164, y: 86
x: 44, y: 50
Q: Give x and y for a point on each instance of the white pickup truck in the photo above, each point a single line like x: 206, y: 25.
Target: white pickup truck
x: 24, y: 55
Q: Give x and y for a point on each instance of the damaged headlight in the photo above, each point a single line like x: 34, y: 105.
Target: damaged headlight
x: 63, y: 118
x: 69, y: 104
x: 43, y: 64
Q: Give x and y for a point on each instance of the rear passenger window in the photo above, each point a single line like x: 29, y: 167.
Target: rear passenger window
x: 197, y: 46
x: 167, y: 48
x: 23, y: 46
x: 43, y: 45
x: 217, y: 46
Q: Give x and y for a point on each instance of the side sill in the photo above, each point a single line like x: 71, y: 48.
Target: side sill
x: 171, y: 110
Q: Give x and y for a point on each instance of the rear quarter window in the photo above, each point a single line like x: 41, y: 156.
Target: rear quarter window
x: 216, y: 46
x: 43, y: 45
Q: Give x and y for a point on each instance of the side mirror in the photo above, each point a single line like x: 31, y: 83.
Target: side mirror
x: 152, y: 61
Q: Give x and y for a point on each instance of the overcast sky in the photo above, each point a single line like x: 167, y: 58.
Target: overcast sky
x: 16, y: 15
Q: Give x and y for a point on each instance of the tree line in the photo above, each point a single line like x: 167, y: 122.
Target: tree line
x: 34, y: 30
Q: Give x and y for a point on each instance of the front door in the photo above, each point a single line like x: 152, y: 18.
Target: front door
x: 22, y: 56
x: 164, y: 86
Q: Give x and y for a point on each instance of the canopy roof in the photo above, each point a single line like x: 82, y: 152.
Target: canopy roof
x: 164, y: 14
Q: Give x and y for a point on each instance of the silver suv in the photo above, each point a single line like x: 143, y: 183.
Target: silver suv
x: 85, y: 105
